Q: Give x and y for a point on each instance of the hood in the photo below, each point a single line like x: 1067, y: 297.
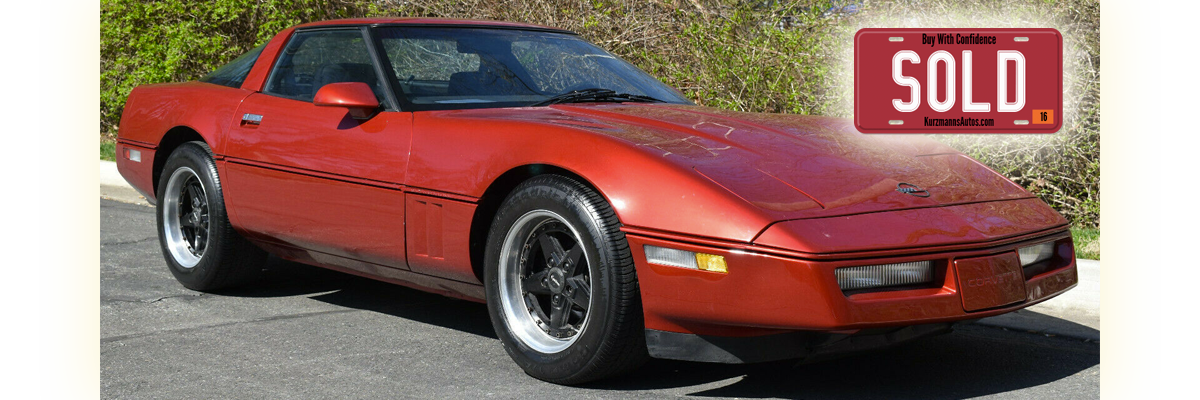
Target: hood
x: 793, y: 166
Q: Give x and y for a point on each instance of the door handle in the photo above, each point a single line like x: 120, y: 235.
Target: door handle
x: 251, y: 119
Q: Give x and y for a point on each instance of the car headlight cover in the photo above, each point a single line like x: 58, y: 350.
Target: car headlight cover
x: 873, y: 276
x: 1036, y: 253
x: 685, y: 259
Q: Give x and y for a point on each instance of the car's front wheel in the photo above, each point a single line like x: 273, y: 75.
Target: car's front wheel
x: 202, y: 250
x: 561, y: 287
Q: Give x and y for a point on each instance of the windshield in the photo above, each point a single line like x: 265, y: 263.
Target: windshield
x: 455, y: 68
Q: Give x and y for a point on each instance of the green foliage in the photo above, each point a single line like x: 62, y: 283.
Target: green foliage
x: 108, y: 150
x: 760, y: 65
x: 153, y: 41
x: 1087, y: 243
x: 763, y: 56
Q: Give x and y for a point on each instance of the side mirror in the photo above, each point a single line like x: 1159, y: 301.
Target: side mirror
x: 356, y: 96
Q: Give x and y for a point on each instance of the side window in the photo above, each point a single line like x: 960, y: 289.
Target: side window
x: 234, y: 73
x: 315, y: 59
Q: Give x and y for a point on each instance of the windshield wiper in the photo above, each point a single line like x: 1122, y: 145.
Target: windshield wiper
x: 594, y: 94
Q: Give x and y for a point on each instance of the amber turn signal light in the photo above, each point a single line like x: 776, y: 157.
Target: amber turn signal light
x: 711, y: 262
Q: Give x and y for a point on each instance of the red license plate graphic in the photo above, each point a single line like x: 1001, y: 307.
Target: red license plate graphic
x: 958, y: 80
x: 989, y: 282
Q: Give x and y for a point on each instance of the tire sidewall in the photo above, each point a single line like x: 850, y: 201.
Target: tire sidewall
x: 576, y: 210
x: 197, y: 157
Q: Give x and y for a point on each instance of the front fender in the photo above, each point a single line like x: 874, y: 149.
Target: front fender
x: 463, y: 152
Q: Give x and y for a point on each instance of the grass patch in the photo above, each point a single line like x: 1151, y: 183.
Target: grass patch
x: 108, y: 149
x: 1087, y: 243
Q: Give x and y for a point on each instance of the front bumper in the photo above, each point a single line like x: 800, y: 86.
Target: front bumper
x: 771, y: 293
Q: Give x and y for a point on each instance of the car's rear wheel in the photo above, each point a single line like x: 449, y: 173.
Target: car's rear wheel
x: 202, y: 250
x: 561, y: 287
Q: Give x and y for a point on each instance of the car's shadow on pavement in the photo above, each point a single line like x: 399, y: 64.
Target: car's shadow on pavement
x: 972, y: 361
x: 284, y: 278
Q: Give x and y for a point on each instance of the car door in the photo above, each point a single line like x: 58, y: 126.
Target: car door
x: 312, y: 177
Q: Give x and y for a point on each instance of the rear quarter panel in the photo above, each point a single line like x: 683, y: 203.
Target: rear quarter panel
x: 153, y: 110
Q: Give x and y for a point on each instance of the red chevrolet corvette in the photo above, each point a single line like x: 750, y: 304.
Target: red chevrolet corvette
x: 601, y: 216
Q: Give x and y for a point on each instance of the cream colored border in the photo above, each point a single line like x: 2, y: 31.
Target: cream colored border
x: 1132, y: 149
x: 1181, y: 233
x: 67, y: 200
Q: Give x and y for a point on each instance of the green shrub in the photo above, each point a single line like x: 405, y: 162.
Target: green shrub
x: 1087, y: 242
x: 108, y: 150
x: 152, y: 41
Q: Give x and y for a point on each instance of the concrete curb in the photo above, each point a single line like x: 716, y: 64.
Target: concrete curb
x: 1075, y: 313
x: 1083, y: 299
x: 113, y: 186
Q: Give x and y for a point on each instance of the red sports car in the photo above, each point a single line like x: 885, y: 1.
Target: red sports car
x: 602, y: 216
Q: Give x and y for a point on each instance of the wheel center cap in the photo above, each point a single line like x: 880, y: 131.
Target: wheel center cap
x: 556, y: 280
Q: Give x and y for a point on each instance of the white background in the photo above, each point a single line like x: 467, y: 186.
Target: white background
x: 1182, y: 197
x: 17, y: 203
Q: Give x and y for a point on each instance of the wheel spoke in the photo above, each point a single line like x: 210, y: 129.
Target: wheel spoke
x: 534, y: 283
x: 551, y: 249
x: 558, y: 312
x: 580, y: 293
x: 200, y: 242
x: 187, y: 196
x: 572, y: 260
x: 194, y: 194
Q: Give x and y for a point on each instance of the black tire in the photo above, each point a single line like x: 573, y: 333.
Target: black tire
x: 202, y: 249
x: 604, y: 339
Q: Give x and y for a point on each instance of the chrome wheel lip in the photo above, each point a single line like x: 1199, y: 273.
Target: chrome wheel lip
x: 177, y: 244
x: 516, y: 310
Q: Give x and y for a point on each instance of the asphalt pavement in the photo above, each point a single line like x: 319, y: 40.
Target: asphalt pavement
x: 306, y: 332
